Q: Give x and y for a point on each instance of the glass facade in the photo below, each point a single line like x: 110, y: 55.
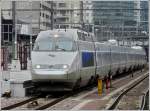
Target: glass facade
x: 144, y: 15
x: 119, y: 19
x: 113, y: 12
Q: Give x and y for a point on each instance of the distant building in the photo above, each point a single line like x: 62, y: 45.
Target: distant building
x: 37, y: 12
x: 111, y: 22
x: 111, y: 15
x: 144, y: 16
x: 65, y: 18
x: 88, y: 14
x: 116, y: 19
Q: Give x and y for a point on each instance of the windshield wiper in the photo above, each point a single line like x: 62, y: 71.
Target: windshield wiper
x: 60, y: 48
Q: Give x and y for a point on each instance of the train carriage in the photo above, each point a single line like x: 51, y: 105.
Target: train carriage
x: 65, y: 59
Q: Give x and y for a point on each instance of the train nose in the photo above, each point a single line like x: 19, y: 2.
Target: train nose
x: 51, y: 67
x: 49, y: 74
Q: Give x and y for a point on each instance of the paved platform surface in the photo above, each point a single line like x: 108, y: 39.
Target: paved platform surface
x: 90, y: 100
x: 22, y: 75
x: 13, y: 81
x: 87, y: 100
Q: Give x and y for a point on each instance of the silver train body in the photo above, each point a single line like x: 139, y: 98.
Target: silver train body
x: 67, y: 59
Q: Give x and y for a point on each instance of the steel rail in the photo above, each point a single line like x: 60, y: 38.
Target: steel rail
x: 144, y: 99
x: 64, y: 97
x: 51, y: 103
x: 55, y: 101
x: 19, y: 103
x: 115, y: 103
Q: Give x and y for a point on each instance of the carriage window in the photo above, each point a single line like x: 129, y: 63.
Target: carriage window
x: 84, y: 36
x: 81, y: 36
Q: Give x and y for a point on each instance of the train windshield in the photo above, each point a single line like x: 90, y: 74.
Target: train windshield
x: 43, y: 44
x: 64, y: 44
x: 55, y: 44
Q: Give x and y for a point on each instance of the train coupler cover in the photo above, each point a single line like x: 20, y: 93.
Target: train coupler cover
x: 28, y: 83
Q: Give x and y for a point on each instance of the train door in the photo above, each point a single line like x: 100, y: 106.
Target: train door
x: 87, y: 69
x: 78, y: 63
x: 108, y: 61
x: 113, y: 59
x: 110, y: 56
x: 98, y: 60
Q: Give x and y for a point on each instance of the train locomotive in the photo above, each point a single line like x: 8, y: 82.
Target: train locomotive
x: 66, y: 59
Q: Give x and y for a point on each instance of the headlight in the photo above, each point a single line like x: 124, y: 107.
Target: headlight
x: 40, y: 66
x: 37, y: 66
x: 65, y: 66
x: 60, y: 66
x: 56, y: 66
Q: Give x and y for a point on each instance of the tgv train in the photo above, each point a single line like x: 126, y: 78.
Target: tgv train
x: 66, y: 59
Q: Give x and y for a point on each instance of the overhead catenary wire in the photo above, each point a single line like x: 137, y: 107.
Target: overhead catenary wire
x: 67, y: 9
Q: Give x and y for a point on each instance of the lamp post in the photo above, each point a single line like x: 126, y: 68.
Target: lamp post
x: 14, y: 30
x: 96, y: 30
x: 31, y: 31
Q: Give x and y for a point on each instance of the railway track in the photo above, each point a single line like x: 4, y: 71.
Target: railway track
x: 38, y: 103
x: 115, y: 103
x: 34, y: 103
x: 46, y: 103
x: 57, y: 100
x: 20, y: 103
x: 145, y: 100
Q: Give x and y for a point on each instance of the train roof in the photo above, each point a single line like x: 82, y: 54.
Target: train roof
x: 137, y: 47
x: 70, y: 33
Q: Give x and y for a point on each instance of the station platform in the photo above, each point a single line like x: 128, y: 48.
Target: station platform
x: 91, y: 100
x: 12, y: 81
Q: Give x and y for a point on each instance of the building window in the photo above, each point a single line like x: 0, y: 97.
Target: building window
x: 62, y: 5
x: 10, y: 28
x: 49, y: 2
x: 7, y: 32
x: 54, y: 4
x: 6, y: 38
x: 47, y: 16
x: 63, y: 13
